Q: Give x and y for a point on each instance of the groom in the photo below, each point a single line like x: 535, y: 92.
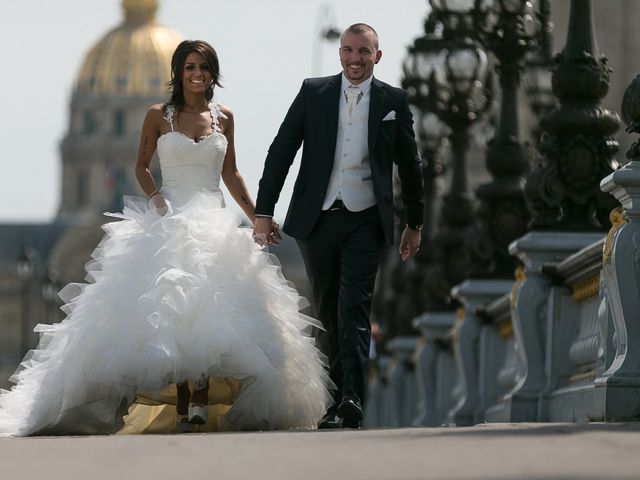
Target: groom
x: 354, y: 128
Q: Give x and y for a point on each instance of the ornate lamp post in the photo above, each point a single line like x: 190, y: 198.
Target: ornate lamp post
x: 537, y: 79
x: 461, y: 96
x: 325, y: 31
x: 50, y: 288
x: 418, y: 68
x: 432, y: 136
x: 459, y: 87
x: 26, y: 268
x: 563, y: 192
x: 578, y: 145
x: 459, y: 93
x: 508, y: 29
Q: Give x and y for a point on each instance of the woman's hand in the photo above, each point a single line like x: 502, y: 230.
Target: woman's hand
x: 159, y: 204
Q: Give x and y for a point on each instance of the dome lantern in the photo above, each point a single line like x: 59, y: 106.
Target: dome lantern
x: 138, y: 11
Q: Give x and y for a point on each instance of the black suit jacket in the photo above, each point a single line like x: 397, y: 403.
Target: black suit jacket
x: 313, y: 119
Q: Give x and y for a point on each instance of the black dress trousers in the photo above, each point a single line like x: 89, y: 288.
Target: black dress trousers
x: 341, y: 256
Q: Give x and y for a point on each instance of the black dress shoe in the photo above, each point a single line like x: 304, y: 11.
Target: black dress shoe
x: 330, y: 420
x: 350, y: 411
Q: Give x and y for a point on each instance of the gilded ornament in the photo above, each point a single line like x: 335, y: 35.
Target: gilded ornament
x: 520, y: 275
x: 505, y: 329
x: 586, y: 289
x: 618, y: 219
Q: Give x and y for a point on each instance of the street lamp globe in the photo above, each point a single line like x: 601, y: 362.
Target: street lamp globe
x: 25, y: 264
x: 50, y: 287
x: 538, y: 87
x: 465, y: 67
x: 431, y: 130
x: 455, y: 15
x: 514, y: 7
x: 420, y: 64
x: 452, y: 6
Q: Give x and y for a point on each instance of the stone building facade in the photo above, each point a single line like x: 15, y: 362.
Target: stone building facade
x: 122, y: 75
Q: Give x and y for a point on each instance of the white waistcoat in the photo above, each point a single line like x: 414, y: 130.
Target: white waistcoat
x: 350, y: 178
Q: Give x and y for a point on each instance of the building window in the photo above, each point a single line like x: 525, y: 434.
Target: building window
x: 118, y: 123
x: 90, y: 126
x: 116, y: 185
x: 121, y: 84
x: 82, y: 188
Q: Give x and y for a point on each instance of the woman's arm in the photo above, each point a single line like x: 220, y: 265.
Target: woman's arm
x: 146, y: 149
x: 230, y: 174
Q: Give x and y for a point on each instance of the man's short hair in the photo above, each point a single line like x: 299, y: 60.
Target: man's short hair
x: 359, y: 29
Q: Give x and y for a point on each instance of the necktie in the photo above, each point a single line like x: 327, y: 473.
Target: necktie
x: 352, y: 94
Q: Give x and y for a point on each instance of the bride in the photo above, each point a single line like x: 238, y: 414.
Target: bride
x: 182, y: 306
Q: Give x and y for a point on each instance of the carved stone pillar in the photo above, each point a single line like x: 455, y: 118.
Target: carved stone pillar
x: 402, y: 397
x: 563, y: 192
x: 621, y: 273
x: 531, y: 310
x: 436, y: 372
x: 468, y: 348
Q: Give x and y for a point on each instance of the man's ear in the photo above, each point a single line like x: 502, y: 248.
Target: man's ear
x: 378, y: 56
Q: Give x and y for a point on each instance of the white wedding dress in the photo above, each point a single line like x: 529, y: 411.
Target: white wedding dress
x: 172, y: 298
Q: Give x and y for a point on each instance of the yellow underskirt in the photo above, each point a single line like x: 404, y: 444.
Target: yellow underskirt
x: 157, y: 413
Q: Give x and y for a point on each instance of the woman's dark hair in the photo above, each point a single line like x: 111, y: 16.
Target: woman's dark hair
x: 177, y: 66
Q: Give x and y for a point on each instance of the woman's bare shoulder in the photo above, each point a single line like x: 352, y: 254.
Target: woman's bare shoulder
x: 155, y: 115
x: 157, y: 110
x: 226, y: 111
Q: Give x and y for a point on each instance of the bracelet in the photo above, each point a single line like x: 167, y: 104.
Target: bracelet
x: 155, y: 192
x: 259, y: 215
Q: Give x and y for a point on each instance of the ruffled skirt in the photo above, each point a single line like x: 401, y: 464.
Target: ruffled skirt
x: 172, y: 298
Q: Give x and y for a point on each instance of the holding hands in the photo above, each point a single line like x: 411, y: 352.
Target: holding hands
x: 266, y: 231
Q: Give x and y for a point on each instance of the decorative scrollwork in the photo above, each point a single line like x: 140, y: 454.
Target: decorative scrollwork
x: 585, y: 289
x: 520, y: 276
x: 618, y: 219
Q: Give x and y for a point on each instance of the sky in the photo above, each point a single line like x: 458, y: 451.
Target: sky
x: 266, y: 49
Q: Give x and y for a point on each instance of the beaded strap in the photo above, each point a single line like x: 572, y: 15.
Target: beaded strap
x: 216, y: 113
x: 170, y: 109
x: 214, y: 108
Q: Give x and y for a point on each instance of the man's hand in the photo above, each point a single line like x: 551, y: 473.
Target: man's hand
x: 409, y: 243
x: 266, y: 231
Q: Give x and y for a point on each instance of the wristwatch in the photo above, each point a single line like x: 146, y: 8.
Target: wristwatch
x: 415, y: 227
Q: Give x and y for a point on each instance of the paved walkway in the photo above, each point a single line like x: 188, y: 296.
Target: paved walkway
x: 498, y: 451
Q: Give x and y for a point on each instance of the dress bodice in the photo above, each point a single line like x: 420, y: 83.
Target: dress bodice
x: 189, y: 165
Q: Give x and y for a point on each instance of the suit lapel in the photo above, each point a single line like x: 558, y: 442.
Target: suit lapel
x: 332, y: 100
x: 376, y: 105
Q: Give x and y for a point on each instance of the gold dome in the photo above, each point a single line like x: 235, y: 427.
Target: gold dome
x: 134, y: 59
